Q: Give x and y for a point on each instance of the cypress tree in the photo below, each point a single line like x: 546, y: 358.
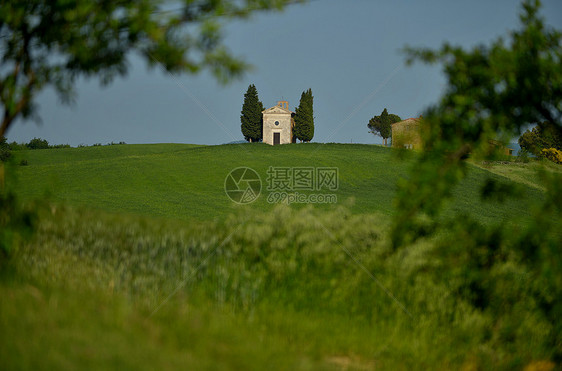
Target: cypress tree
x: 304, y: 117
x: 251, y: 115
x: 299, y: 118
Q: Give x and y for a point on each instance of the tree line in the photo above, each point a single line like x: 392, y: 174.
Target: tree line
x: 251, y: 117
x: 36, y: 143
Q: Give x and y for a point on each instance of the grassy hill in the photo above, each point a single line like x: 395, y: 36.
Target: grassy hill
x: 141, y: 261
x: 187, y: 182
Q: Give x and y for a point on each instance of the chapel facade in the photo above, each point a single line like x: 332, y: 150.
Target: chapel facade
x: 278, y: 124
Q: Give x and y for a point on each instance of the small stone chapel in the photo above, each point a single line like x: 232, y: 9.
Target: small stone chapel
x: 278, y: 124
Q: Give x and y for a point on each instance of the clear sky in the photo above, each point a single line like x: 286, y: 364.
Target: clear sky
x: 348, y: 52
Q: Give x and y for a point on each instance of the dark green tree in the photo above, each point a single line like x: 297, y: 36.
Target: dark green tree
x: 52, y: 43
x: 5, y: 152
x: 543, y: 136
x: 299, y: 117
x: 394, y: 118
x: 381, y: 125
x: 38, y: 143
x: 492, y: 91
x: 304, y: 117
x: 251, y: 115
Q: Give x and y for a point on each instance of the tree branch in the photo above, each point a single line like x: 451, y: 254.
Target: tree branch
x: 23, y: 57
x: 23, y: 102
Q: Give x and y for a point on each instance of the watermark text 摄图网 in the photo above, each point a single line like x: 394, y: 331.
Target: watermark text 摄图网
x: 300, y: 184
x: 283, y: 178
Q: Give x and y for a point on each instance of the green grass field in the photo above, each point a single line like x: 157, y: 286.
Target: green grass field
x: 141, y: 261
x: 187, y: 182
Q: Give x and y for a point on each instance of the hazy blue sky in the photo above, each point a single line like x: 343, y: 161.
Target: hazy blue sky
x: 348, y: 52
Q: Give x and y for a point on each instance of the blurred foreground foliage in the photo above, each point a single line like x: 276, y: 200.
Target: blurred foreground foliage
x: 17, y: 224
x: 53, y: 43
x: 512, y: 273
x: 284, y: 279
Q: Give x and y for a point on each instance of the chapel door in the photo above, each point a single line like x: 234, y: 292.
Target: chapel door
x: 276, y: 138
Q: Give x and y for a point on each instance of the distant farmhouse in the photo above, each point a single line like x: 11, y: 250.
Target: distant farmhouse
x: 278, y: 124
x: 407, y: 134
x: 500, y: 147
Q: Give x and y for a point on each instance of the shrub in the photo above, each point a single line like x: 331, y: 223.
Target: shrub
x: 38, y: 143
x: 23, y: 163
x: 5, y: 153
x: 15, y: 146
x: 552, y: 154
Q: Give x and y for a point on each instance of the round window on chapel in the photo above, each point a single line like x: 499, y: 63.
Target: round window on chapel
x: 276, y: 123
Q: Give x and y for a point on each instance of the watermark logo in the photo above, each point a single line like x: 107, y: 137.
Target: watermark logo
x: 243, y: 185
x: 290, y: 185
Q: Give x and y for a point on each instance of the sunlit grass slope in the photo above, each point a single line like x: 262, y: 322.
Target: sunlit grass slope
x: 187, y: 182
